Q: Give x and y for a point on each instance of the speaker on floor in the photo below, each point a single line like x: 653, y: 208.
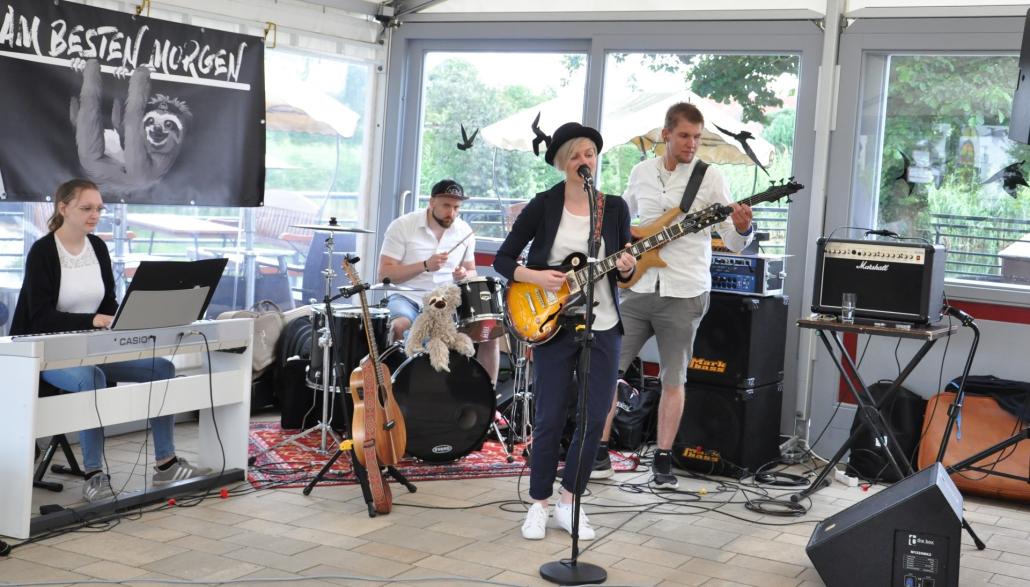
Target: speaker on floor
x: 907, y: 535
x: 725, y: 429
x: 740, y: 341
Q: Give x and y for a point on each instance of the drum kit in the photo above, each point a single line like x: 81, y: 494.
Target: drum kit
x: 447, y: 414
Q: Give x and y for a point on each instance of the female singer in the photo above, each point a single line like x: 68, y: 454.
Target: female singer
x: 557, y: 222
x: 69, y: 285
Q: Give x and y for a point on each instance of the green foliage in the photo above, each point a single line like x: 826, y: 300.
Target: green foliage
x: 745, y: 79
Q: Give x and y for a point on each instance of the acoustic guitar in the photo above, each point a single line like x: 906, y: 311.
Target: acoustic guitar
x: 378, y: 424
x: 533, y: 314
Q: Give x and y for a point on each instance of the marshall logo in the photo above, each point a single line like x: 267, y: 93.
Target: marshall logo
x: 867, y: 266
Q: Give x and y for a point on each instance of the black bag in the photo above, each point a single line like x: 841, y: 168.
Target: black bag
x: 904, y: 415
x: 636, y: 414
x: 1013, y: 396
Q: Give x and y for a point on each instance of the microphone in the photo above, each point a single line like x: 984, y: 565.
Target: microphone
x: 584, y: 172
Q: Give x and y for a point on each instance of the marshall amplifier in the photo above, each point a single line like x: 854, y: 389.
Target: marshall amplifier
x: 898, y: 281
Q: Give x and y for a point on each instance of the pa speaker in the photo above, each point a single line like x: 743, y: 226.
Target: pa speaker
x: 725, y: 429
x: 907, y: 535
x: 740, y: 341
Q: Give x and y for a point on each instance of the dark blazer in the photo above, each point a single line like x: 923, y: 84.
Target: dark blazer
x: 36, y: 312
x: 538, y: 222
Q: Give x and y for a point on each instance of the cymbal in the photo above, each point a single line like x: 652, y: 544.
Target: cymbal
x: 393, y: 287
x: 333, y: 228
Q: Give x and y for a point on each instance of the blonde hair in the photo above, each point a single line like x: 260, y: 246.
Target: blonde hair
x: 561, y: 156
x: 66, y: 194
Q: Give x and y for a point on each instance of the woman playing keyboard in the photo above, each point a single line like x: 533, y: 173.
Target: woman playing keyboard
x: 69, y: 285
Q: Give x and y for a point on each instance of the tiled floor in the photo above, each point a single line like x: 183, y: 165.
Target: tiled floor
x: 452, y: 531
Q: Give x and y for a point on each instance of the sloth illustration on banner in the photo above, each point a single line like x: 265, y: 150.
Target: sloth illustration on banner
x: 152, y: 111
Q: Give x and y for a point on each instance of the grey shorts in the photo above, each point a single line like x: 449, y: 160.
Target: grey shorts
x: 672, y: 321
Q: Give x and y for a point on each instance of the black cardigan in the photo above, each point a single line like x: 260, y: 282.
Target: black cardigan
x: 36, y: 311
x: 539, y: 222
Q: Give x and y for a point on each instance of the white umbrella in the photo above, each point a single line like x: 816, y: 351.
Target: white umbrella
x: 637, y: 119
x: 298, y: 107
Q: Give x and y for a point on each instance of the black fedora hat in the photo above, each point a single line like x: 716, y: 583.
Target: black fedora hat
x: 568, y: 131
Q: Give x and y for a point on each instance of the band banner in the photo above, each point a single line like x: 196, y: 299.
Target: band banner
x: 154, y: 112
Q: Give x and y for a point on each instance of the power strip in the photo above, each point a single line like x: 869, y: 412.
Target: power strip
x: 844, y: 479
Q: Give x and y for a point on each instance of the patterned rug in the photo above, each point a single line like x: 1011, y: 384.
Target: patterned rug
x: 292, y: 466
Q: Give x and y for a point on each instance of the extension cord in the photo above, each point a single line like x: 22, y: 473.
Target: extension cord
x: 844, y: 478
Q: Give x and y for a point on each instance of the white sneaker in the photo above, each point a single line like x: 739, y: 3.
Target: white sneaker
x: 535, y: 525
x: 563, y: 515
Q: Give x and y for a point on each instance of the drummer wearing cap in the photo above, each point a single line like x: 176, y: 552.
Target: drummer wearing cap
x: 417, y: 253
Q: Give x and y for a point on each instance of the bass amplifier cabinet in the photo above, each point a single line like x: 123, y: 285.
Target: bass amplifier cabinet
x: 740, y: 341
x: 893, y: 281
x: 726, y: 429
x: 907, y: 535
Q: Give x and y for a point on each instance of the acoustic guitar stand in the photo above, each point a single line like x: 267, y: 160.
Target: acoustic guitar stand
x: 362, y: 475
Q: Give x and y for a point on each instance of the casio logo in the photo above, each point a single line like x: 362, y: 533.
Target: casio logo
x: 133, y: 340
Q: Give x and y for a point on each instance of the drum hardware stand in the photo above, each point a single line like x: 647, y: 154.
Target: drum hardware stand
x: 520, y: 412
x: 328, y: 384
x: 570, y: 571
x: 348, y: 445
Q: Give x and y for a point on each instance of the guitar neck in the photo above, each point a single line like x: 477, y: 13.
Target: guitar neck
x: 373, y: 348
x: 692, y: 223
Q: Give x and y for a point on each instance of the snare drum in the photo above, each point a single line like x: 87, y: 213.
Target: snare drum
x: 481, y: 313
x: 349, y: 343
x: 446, y: 415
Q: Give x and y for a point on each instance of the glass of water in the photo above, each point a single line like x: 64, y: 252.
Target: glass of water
x: 847, y: 307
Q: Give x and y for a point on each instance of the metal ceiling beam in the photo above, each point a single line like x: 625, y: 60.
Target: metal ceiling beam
x: 366, y: 7
x: 404, y: 7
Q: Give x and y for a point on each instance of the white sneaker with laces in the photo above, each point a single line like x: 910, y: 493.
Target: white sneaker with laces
x: 535, y: 525
x: 563, y: 515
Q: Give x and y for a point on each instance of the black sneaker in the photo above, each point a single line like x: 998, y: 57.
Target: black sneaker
x: 661, y: 470
x: 602, y: 464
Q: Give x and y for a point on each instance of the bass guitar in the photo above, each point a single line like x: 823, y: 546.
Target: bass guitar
x: 533, y: 314
x: 377, y: 428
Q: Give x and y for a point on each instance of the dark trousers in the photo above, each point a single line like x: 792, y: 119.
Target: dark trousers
x: 553, y: 366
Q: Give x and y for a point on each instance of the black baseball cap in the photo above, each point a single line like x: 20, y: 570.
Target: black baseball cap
x: 448, y: 188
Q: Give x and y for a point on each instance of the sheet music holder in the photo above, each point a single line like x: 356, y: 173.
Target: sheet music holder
x: 168, y: 293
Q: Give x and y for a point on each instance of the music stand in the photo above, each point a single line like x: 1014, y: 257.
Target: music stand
x: 168, y: 293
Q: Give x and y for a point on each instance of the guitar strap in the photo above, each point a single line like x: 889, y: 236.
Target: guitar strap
x: 382, y: 499
x: 599, y: 206
x: 693, y: 184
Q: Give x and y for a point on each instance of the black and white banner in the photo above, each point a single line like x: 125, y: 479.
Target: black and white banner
x: 155, y: 112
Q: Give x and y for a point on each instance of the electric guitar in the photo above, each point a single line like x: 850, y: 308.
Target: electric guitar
x: 533, y: 313
x: 377, y: 428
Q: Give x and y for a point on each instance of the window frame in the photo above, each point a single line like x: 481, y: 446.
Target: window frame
x: 872, y: 39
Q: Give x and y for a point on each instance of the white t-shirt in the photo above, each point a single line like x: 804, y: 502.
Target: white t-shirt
x: 651, y: 191
x: 572, y: 237
x: 410, y: 240
x: 82, y: 286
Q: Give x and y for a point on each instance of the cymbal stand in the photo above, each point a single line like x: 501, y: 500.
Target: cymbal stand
x: 329, y: 382
x: 520, y: 413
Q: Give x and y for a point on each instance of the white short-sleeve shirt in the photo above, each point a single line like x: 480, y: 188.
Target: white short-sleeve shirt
x: 410, y: 240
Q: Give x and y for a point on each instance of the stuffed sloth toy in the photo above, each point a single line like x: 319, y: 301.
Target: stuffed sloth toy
x: 434, y: 330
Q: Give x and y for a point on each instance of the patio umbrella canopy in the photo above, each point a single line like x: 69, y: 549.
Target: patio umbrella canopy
x: 301, y: 108
x: 636, y: 120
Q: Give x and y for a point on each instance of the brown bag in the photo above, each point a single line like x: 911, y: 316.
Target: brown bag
x: 983, y: 424
x: 268, y: 326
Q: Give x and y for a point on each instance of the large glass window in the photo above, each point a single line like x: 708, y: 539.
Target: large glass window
x: 499, y: 95
x: 736, y: 93
x: 934, y: 160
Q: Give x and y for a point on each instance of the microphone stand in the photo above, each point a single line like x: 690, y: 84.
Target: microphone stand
x: 571, y: 571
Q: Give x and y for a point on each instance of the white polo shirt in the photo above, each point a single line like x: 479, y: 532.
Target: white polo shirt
x: 410, y: 240
x: 651, y: 191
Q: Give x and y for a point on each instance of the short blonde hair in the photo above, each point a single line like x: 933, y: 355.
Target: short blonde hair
x: 561, y: 156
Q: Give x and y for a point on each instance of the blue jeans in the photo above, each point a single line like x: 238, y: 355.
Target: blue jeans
x: 75, y: 379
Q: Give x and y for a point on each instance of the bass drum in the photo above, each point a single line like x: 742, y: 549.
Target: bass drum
x: 447, y: 415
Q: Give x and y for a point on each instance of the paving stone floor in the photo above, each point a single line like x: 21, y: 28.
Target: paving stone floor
x: 439, y: 537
